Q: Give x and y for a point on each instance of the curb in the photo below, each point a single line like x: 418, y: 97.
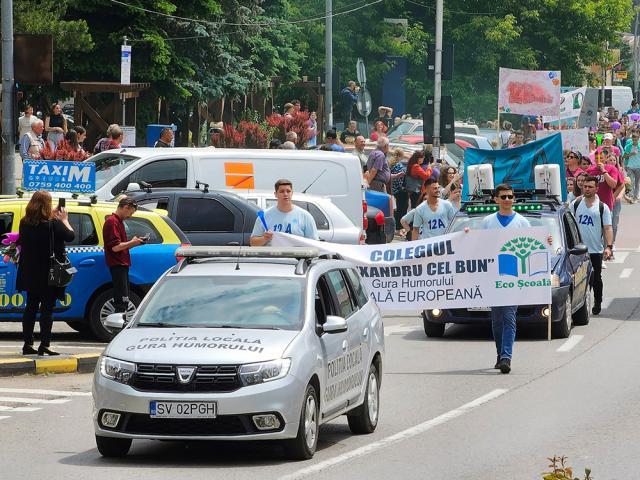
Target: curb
x: 79, y: 363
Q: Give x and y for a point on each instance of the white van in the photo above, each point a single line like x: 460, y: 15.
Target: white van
x: 337, y: 176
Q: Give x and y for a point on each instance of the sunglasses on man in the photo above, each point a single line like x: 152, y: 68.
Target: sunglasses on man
x: 505, y: 197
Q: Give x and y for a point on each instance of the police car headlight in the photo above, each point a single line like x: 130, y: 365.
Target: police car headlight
x: 254, y: 373
x: 117, y: 370
x: 555, y: 280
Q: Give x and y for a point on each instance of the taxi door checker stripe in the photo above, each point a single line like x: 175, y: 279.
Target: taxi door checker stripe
x: 239, y: 175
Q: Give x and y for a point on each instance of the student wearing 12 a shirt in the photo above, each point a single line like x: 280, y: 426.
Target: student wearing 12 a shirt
x: 433, y: 216
x: 283, y: 217
x: 594, y: 223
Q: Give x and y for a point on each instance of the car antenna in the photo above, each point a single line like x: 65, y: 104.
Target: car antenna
x: 236, y: 244
x: 314, y: 181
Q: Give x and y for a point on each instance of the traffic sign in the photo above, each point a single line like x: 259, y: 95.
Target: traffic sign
x: 361, y: 72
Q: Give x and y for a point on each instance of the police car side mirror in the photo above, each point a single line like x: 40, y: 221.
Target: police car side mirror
x: 115, y: 320
x: 580, y: 249
x: 334, y: 324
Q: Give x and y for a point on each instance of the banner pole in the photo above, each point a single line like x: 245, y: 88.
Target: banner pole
x: 549, y: 324
x: 498, y: 139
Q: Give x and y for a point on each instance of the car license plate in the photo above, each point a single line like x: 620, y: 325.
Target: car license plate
x: 479, y: 309
x: 170, y: 409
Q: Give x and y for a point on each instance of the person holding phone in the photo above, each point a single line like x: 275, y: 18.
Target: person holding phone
x: 116, y: 251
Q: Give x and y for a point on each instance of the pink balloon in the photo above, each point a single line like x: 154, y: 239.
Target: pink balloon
x: 615, y: 125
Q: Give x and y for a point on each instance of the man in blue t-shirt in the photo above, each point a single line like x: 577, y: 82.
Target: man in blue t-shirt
x: 503, y: 319
x: 432, y: 217
x: 283, y: 217
x: 594, y: 223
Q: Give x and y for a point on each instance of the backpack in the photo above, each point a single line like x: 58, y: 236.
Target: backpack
x: 576, y: 204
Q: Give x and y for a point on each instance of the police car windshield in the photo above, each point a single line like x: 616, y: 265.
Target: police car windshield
x: 226, y: 302
x: 108, y: 165
x: 551, y: 222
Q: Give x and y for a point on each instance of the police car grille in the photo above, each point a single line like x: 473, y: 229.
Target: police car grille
x: 189, y: 427
x: 208, y: 378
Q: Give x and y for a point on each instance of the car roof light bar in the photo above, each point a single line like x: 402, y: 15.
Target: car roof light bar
x: 247, y: 252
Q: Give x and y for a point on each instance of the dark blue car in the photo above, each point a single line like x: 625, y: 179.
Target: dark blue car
x: 570, y: 274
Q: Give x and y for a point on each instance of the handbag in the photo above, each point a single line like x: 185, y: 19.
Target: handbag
x: 60, y: 272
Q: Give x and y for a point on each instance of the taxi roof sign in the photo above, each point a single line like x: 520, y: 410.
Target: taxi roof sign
x: 247, y: 252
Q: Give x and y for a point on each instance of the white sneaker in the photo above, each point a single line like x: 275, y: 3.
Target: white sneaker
x: 604, y: 266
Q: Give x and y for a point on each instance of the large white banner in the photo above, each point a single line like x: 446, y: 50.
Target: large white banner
x: 570, y: 105
x: 576, y: 140
x: 482, y: 268
x: 529, y: 92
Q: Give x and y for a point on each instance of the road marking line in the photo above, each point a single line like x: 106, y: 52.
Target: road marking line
x: 37, y: 391
x: 619, y: 257
x: 33, y: 400
x: 399, y: 329
x: 606, y: 303
x: 570, y: 343
x: 3, y: 417
x: 18, y: 409
x: 626, y: 273
x: 398, y: 437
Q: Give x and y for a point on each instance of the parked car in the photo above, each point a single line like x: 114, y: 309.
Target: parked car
x: 332, y: 224
x: 328, y: 174
x: 89, y: 297
x: 206, y: 217
x: 570, y: 274
x: 476, y: 141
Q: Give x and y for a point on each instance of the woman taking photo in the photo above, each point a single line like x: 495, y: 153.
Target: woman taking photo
x: 416, y: 176
x: 55, y: 125
x: 448, y: 176
x: 40, y: 230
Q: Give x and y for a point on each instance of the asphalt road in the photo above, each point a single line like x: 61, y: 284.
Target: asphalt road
x: 445, y: 413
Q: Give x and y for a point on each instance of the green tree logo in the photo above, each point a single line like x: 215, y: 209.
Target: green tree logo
x: 522, y: 247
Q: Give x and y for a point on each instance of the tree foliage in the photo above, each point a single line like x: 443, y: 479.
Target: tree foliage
x: 234, y: 47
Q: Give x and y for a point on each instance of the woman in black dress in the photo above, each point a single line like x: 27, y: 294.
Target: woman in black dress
x: 39, y: 226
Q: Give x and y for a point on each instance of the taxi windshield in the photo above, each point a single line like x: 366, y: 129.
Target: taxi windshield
x: 225, y: 302
x: 551, y: 222
x: 108, y: 165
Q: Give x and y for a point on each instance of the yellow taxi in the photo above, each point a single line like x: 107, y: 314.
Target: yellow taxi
x: 89, y: 297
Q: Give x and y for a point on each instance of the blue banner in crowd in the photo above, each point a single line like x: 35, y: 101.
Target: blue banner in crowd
x: 515, y: 166
x: 59, y: 176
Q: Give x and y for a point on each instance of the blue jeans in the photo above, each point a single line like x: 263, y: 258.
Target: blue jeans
x: 503, y: 324
x: 615, y: 217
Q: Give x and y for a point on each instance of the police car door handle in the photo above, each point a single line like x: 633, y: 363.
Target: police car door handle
x: 89, y: 262
x: 345, y: 345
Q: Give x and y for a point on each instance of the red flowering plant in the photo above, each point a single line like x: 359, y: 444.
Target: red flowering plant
x: 298, y: 122
x: 64, y: 151
x: 247, y: 135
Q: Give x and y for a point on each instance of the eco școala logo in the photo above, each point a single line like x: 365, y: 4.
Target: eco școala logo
x: 523, y: 256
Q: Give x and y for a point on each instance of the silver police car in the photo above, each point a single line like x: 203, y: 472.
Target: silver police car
x: 241, y: 343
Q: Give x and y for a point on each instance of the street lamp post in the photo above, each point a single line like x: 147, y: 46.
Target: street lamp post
x: 8, y: 127
x: 328, y: 65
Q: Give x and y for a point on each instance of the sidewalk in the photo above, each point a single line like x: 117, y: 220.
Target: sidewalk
x: 14, y: 363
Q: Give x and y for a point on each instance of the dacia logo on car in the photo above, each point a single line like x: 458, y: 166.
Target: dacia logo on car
x: 185, y: 374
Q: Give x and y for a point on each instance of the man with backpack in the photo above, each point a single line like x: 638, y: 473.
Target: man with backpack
x: 595, y: 225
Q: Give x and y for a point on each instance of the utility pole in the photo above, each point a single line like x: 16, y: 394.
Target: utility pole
x: 437, y: 90
x: 328, y: 65
x: 8, y: 125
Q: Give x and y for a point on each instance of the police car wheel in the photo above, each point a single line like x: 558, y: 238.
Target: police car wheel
x: 113, y: 447
x: 562, y: 329
x: 304, y: 445
x: 581, y: 317
x: 102, y: 307
x: 364, y: 419
x: 432, y: 329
